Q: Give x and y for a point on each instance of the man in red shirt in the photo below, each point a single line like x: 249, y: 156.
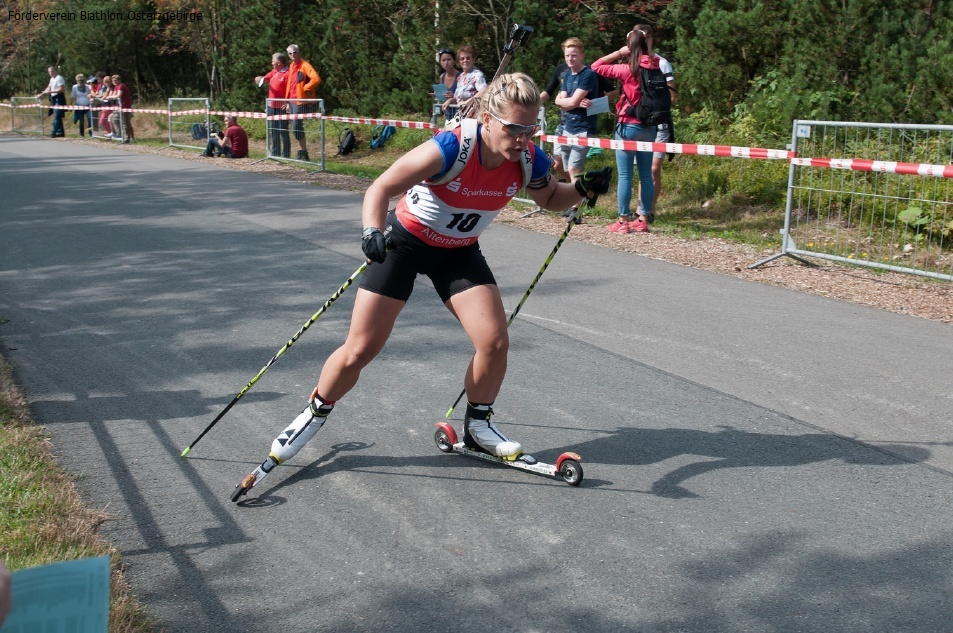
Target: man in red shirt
x: 232, y: 143
x: 125, y: 102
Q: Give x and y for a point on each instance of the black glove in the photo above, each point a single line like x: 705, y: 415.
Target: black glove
x: 374, y: 244
x: 595, y: 181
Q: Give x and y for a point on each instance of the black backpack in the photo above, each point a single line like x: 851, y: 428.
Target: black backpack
x: 199, y: 132
x: 655, y: 104
x: 346, y: 142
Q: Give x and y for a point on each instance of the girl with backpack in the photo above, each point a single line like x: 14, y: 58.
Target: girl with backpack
x: 629, y: 127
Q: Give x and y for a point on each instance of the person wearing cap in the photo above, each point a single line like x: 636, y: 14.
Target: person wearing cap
x: 80, y: 94
x: 232, y: 143
x: 303, y: 82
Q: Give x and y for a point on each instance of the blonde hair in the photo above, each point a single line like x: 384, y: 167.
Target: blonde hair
x: 574, y: 41
x: 513, y: 89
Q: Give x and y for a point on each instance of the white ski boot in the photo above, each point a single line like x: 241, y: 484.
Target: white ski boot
x: 480, y: 434
x: 288, y: 443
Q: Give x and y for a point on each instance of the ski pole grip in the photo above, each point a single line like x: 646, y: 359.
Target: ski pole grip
x: 520, y: 34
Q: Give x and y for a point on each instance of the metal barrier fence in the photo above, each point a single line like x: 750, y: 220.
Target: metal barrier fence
x: 880, y: 197
x: 26, y: 115
x: 184, y: 113
x: 102, y: 128
x: 289, y: 123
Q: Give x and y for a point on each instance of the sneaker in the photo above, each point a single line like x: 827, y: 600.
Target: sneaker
x: 303, y: 155
x: 480, y: 434
x: 639, y: 226
x: 619, y: 226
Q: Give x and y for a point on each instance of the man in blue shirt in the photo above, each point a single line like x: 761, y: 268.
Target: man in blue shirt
x: 578, y: 87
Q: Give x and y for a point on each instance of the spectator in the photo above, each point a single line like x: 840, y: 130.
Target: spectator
x: 664, y: 134
x: 434, y: 231
x: 80, y: 94
x: 100, y: 99
x: 122, y: 119
x: 448, y: 78
x: 277, y: 79
x: 628, y: 128
x: 57, y: 91
x: 5, y: 586
x: 95, y: 83
x: 232, y: 143
x: 606, y: 89
x: 578, y: 88
x: 303, y: 82
x: 470, y: 83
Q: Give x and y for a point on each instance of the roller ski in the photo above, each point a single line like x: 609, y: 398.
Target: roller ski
x: 288, y: 443
x: 481, y: 439
x: 253, y: 478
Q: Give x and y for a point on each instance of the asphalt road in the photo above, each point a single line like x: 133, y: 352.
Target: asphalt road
x: 756, y: 459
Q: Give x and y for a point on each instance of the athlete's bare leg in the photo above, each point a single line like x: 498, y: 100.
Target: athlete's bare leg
x: 480, y: 311
x: 372, y: 321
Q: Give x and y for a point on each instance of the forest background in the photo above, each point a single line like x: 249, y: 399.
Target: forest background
x: 744, y: 68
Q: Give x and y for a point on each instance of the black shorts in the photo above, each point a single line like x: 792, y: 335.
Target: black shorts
x: 452, y: 270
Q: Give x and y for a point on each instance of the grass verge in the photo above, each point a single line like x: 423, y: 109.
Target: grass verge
x: 42, y: 518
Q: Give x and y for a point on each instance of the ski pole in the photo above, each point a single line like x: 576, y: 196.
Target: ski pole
x: 309, y: 323
x: 559, y: 242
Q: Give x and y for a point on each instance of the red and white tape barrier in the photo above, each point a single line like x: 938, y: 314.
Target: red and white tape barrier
x: 673, y: 148
x: 887, y: 167
x: 417, y: 125
x: 855, y: 164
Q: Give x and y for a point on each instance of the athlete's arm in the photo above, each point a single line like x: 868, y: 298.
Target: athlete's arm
x: 420, y: 163
x: 555, y: 196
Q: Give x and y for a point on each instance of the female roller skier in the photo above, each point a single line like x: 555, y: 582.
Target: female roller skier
x: 434, y: 231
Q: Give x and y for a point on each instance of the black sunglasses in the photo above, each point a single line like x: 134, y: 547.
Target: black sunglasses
x: 447, y: 51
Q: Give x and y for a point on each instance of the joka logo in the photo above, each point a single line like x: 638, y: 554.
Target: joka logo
x: 454, y: 185
x: 464, y: 150
x: 512, y: 189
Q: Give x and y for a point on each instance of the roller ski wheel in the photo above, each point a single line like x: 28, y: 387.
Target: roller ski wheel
x: 242, y: 489
x: 566, y: 468
x: 253, y: 478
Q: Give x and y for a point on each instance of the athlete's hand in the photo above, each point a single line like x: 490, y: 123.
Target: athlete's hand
x: 595, y: 182
x: 374, y: 244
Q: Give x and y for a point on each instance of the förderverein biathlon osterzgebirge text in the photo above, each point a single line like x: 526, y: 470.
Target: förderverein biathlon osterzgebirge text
x: 107, y: 16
